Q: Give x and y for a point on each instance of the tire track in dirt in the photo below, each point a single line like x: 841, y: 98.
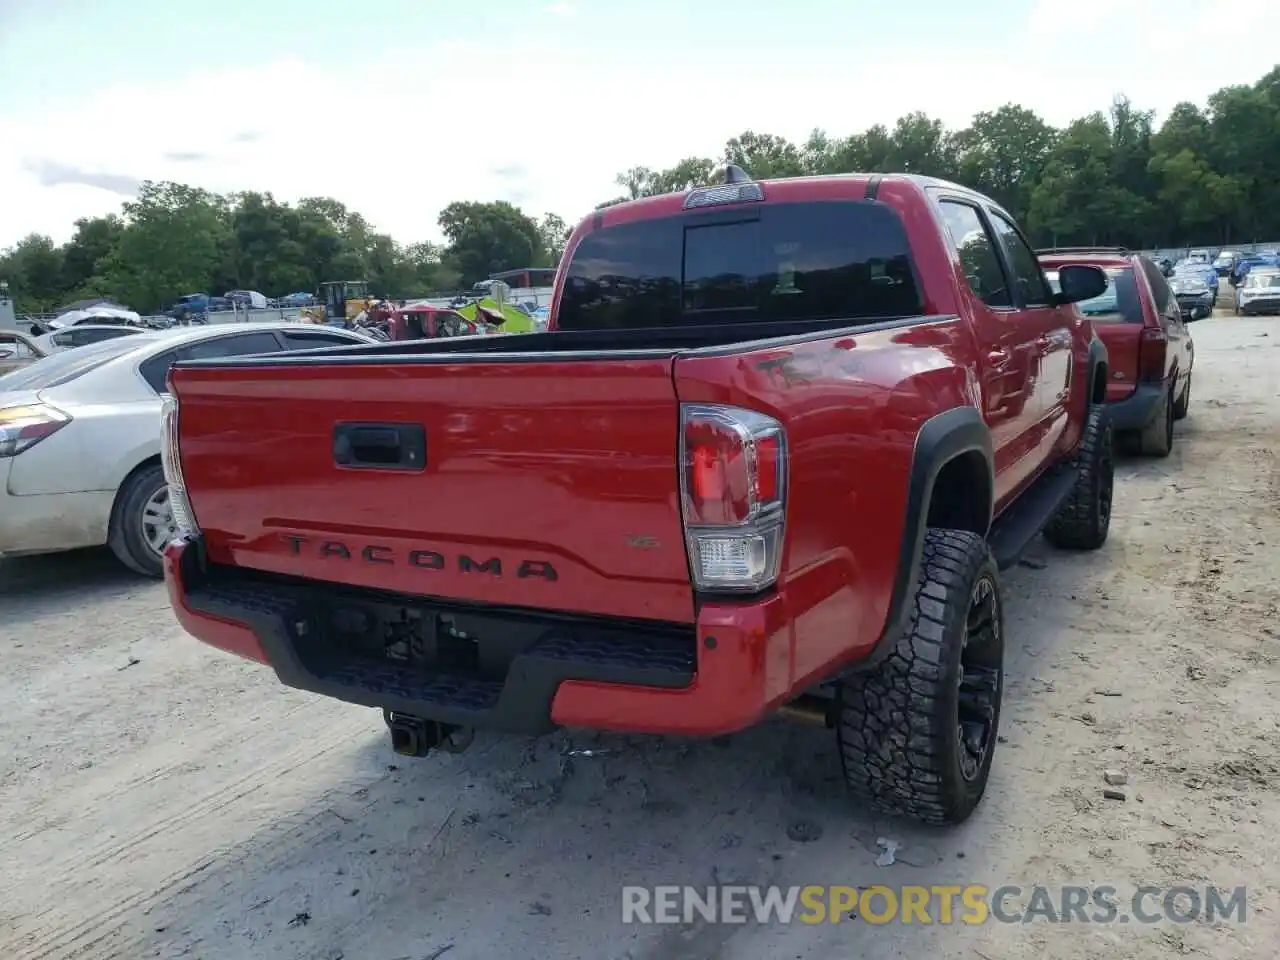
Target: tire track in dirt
x: 209, y: 812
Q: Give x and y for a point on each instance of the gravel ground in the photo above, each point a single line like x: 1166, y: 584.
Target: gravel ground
x: 163, y: 800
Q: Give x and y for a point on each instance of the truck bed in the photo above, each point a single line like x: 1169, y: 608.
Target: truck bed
x: 572, y: 344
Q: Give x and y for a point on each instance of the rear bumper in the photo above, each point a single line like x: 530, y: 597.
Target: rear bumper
x: 1139, y: 408
x: 1257, y: 307
x: 1200, y: 305
x: 49, y: 523
x: 718, y: 676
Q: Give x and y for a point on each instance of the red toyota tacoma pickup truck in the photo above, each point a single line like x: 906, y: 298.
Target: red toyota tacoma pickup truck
x: 781, y: 438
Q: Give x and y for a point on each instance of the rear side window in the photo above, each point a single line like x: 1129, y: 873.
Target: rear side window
x: 1159, y: 286
x: 299, y: 340
x: 241, y: 345
x: 794, y: 261
x: 1119, y: 303
x: 101, y: 333
x: 156, y: 369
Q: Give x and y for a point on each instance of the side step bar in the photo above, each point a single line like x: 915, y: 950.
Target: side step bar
x: 1018, y: 526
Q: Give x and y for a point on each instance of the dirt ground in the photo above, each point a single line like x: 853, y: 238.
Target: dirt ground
x: 162, y: 800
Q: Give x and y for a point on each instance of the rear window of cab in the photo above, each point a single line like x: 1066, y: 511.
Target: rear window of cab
x: 1119, y: 303
x: 750, y: 262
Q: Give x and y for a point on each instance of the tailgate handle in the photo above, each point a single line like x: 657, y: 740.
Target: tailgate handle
x: 380, y: 446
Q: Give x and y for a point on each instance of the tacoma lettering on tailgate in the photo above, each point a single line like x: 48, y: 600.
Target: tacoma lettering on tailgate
x: 423, y: 559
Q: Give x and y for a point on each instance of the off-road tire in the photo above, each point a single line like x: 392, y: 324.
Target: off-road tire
x: 1156, y: 438
x: 125, y: 535
x: 898, y: 723
x: 1183, y: 406
x: 1084, y: 520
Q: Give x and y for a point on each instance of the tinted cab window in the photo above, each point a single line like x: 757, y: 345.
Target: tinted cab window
x: 977, y: 251
x: 745, y: 263
x: 1032, y: 289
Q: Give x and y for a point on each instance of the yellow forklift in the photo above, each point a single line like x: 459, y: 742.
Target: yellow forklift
x: 341, y: 301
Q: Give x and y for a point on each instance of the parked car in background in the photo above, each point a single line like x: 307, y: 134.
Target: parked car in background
x: 80, y: 437
x: 1199, y: 256
x: 1225, y: 262
x: 299, y: 299
x: 1195, y: 269
x: 247, y: 299
x: 17, y: 350
x: 83, y: 335
x: 1195, y: 296
x: 1259, y: 293
x: 192, y: 307
x: 101, y: 317
x: 1149, y: 350
x: 219, y: 304
x: 421, y: 321
x: 1263, y: 258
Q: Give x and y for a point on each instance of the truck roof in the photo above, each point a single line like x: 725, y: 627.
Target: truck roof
x: 1098, y: 258
x: 660, y: 204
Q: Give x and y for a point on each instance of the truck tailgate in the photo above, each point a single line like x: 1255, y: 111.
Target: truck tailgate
x: 549, y: 485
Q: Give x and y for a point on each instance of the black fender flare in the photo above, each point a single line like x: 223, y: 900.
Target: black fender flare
x: 1097, y: 358
x: 941, y: 439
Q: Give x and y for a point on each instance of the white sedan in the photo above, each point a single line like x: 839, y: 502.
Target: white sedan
x: 80, y: 437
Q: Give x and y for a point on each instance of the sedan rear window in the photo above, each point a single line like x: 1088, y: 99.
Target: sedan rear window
x: 1119, y: 303
x: 63, y: 367
x: 787, y: 261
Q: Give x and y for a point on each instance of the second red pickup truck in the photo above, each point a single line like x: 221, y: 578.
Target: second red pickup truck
x: 771, y: 456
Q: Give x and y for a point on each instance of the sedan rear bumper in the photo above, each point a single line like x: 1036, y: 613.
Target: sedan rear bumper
x: 50, y: 523
x: 1260, y: 305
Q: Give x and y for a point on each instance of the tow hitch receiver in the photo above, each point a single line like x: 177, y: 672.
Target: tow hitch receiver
x: 415, y: 737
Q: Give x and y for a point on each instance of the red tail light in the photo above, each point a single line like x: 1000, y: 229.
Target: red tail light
x: 1151, y: 354
x: 734, y: 466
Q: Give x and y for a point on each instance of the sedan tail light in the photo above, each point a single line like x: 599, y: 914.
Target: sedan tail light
x: 21, y: 428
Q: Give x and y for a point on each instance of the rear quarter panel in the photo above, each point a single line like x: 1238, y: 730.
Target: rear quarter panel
x: 852, y: 407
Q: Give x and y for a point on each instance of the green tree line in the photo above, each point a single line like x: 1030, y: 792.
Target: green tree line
x: 1204, y: 175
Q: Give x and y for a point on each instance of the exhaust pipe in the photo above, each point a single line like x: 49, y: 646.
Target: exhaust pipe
x: 416, y: 737
x: 807, y: 708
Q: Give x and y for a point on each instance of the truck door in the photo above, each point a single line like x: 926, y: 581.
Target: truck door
x: 1050, y: 327
x: 1006, y: 362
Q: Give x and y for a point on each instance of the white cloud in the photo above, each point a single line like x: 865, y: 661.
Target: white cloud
x: 561, y: 8
x: 407, y: 132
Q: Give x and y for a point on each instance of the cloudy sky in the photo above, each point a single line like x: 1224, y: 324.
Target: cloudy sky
x: 397, y: 107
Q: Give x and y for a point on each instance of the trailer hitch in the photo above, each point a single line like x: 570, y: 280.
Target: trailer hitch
x: 416, y: 737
